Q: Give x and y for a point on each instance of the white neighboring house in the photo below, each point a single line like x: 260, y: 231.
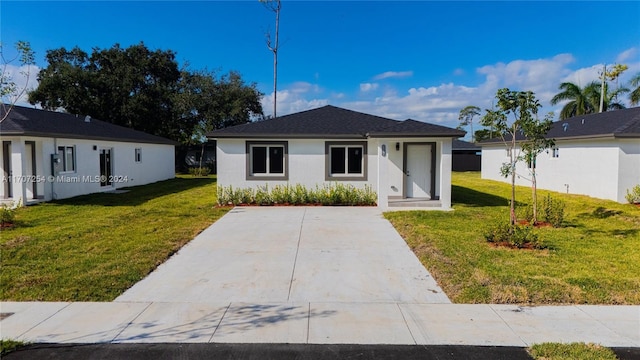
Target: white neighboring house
x: 596, y: 155
x: 50, y: 155
x: 408, y: 163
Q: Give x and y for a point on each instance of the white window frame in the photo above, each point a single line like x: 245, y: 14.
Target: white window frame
x: 346, y: 176
x: 268, y: 175
x: 64, y: 160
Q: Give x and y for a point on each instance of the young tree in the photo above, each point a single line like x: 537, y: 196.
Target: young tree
x: 466, y: 118
x: 273, y: 46
x: 10, y: 92
x: 535, y: 143
x: 515, y: 114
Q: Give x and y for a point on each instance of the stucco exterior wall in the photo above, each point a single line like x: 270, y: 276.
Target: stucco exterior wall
x: 306, y: 162
x: 157, y: 163
x: 629, y: 158
x: 307, y: 166
x: 597, y: 168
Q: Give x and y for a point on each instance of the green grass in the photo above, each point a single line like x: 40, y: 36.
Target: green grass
x: 7, y: 346
x: 582, y: 351
x: 593, y: 259
x: 94, y: 247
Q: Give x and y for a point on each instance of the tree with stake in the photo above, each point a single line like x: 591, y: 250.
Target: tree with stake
x: 522, y: 107
x: 535, y: 143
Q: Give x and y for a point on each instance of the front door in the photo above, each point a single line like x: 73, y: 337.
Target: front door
x: 105, y: 167
x: 30, y: 169
x: 418, y: 170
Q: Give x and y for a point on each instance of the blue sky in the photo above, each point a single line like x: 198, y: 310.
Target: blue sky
x: 418, y: 59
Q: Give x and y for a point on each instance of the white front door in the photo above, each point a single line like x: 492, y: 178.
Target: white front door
x: 418, y: 171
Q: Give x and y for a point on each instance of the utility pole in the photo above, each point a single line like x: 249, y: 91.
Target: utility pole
x: 602, y: 92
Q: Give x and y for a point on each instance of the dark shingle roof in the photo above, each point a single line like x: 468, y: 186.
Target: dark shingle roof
x: 23, y: 121
x: 464, y: 145
x: 623, y: 123
x: 333, y: 122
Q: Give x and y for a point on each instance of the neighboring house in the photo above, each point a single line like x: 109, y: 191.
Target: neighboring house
x: 397, y: 159
x: 50, y: 155
x: 466, y: 156
x: 596, y: 155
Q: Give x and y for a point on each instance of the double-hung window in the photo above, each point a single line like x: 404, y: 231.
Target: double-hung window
x: 346, y: 160
x: 267, y: 160
x: 67, y: 158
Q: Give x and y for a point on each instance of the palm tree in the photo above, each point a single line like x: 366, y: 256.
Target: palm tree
x: 579, y: 99
x: 634, y: 95
x: 586, y: 100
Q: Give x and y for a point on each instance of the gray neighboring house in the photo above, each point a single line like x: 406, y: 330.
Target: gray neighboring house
x: 596, y: 155
x: 406, y: 162
x: 51, y: 155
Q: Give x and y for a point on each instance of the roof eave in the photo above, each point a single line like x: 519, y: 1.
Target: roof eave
x: 79, y: 137
x: 413, y: 135
x: 285, y: 136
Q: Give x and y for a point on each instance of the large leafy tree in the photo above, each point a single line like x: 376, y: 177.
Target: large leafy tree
x: 143, y: 89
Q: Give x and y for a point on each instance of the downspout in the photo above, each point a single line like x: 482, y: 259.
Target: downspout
x: 53, y: 176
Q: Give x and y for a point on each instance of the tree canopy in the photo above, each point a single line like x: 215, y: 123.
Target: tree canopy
x: 144, y: 90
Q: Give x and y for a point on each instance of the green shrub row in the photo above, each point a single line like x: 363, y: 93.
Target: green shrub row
x: 327, y: 194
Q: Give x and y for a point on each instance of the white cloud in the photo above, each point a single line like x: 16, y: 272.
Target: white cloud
x: 368, y: 87
x: 458, y: 72
x: 442, y: 103
x: 393, y: 74
x: 628, y: 55
x: 290, y: 101
x: 25, y: 78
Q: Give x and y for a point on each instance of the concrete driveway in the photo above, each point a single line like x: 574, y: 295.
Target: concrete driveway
x: 295, y: 255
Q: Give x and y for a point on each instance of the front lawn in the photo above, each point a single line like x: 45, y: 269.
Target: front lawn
x: 593, y: 259
x: 94, y: 247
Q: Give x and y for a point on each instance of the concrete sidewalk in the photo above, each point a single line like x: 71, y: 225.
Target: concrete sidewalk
x: 319, y: 323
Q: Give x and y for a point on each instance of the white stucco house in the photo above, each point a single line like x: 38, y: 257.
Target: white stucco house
x: 50, y: 155
x: 408, y: 163
x: 596, y: 155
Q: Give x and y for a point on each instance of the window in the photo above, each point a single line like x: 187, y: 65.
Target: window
x: 67, y: 158
x: 267, y: 160
x: 138, y: 155
x: 531, y: 161
x: 346, y: 160
x: 555, y: 152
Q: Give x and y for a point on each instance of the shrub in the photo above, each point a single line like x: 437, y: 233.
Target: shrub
x: 633, y: 196
x: 7, y: 214
x: 516, y: 236
x: 199, y: 171
x: 553, y: 211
